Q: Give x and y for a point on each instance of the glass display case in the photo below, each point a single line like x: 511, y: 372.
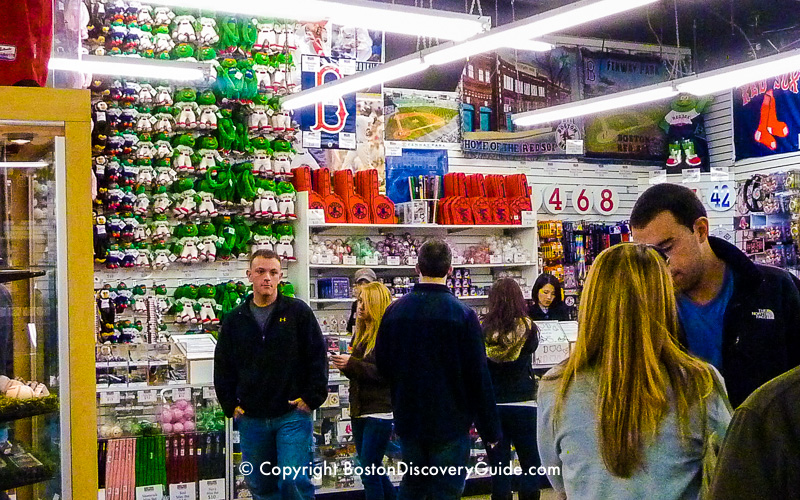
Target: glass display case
x: 42, y: 320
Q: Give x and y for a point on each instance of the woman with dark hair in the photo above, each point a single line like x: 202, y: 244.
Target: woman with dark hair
x: 511, y: 339
x: 548, y: 300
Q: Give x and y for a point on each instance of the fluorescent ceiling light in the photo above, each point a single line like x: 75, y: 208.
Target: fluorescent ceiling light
x: 373, y: 15
x: 332, y: 91
x: 131, y: 67
x: 532, y: 27
x: 532, y: 46
x: 740, y: 74
x: 596, y: 105
x: 23, y: 164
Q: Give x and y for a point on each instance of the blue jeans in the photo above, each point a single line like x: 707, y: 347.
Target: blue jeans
x: 519, y: 428
x: 371, y: 436
x: 438, y: 486
x: 284, y: 441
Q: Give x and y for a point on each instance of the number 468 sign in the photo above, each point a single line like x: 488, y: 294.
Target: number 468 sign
x: 604, y: 200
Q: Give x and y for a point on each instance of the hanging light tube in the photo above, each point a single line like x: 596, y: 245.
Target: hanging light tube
x: 702, y: 84
x: 740, y: 74
x: 131, y: 67
x: 511, y: 35
x: 332, y: 91
x: 533, y: 27
x: 392, y: 18
x: 628, y: 98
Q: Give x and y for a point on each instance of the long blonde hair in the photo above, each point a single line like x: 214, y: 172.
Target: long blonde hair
x: 628, y: 332
x: 375, y: 298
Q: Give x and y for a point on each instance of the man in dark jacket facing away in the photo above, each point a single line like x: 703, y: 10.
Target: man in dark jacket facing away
x: 430, y: 349
x: 742, y: 317
x: 270, y: 373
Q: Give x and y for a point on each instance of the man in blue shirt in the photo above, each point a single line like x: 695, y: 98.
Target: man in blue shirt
x: 742, y: 317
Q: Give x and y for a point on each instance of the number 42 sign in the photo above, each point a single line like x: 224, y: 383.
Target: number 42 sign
x: 604, y: 200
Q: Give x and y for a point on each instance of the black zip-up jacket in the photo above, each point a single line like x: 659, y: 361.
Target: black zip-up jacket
x: 262, y: 370
x: 761, y: 326
x: 430, y: 349
x: 513, y: 381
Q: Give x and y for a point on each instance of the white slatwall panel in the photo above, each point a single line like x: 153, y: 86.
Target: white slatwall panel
x: 719, y: 130
x: 719, y: 221
x: 567, y: 174
x: 765, y: 165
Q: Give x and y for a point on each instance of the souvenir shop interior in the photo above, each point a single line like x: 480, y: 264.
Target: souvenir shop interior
x: 173, y: 139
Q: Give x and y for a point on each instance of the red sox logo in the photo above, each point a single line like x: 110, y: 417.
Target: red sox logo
x: 335, y: 210
x: 341, y: 114
x: 360, y: 211
x: 384, y: 210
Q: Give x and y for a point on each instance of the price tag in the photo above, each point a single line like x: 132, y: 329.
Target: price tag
x: 393, y: 148
x: 554, y: 199
x: 370, y: 261
x: 349, y: 260
x: 575, y: 170
x: 310, y: 64
x: 625, y: 171
x: 658, y: 177
x: 155, y: 492
x: 393, y: 260
x: 347, y: 66
x: 183, y: 491
x: 212, y: 489
x: 182, y: 393
x: 528, y: 218
x: 582, y: 199
x: 606, y: 200
x: 316, y: 216
x: 690, y: 175
x: 109, y: 398
x: 495, y: 259
x: 574, y: 147
x: 720, y: 197
x: 101, y: 494
x: 146, y: 396
x: 347, y: 140
x: 209, y: 392
x: 311, y: 139
x: 720, y: 174
x: 519, y: 258
x: 458, y: 260
x: 412, y: 260
x: 325, y: 260
x: 550, y: 169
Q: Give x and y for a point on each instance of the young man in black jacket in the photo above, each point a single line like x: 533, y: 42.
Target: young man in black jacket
x: 430, y: 348
x: 742, y: 317
x: 270, y: 373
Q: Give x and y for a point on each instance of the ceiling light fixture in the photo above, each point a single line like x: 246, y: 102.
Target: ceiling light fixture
x: 702, y: 84
x: 740, y: 74
x: 596, y: 105
x: 532, y: 27
x: 334, y: 90
x: 509, y: 35
x: 132, y: 67
x: 377, y: 16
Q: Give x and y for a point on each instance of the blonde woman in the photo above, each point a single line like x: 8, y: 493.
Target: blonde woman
x: 370, y: 399
x: 624, y: 416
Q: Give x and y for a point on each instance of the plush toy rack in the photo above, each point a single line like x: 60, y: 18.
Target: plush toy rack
x: 15, y: 409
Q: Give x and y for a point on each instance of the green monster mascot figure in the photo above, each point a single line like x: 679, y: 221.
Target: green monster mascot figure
x: 681, y: 126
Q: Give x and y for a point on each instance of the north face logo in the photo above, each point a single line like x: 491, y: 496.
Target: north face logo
x: 764, y: 314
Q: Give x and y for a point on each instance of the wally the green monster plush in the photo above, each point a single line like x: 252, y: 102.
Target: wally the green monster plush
x: 680, y: 124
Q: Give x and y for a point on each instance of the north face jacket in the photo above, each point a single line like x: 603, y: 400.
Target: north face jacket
x: 761, y: 331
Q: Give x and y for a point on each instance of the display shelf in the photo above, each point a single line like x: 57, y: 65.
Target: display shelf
x: 26, y: 476
x: 16, y: 409
x: 8, y: 275
x: 382, y: 267
x: 152, y: 387
x: 346, y: 301
x: 449, y: 228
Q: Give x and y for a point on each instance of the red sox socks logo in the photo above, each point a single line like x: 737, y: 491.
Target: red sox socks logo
x: 769, y: 127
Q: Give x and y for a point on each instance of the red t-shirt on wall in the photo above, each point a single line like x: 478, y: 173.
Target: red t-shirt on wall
x: 26, y: 37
